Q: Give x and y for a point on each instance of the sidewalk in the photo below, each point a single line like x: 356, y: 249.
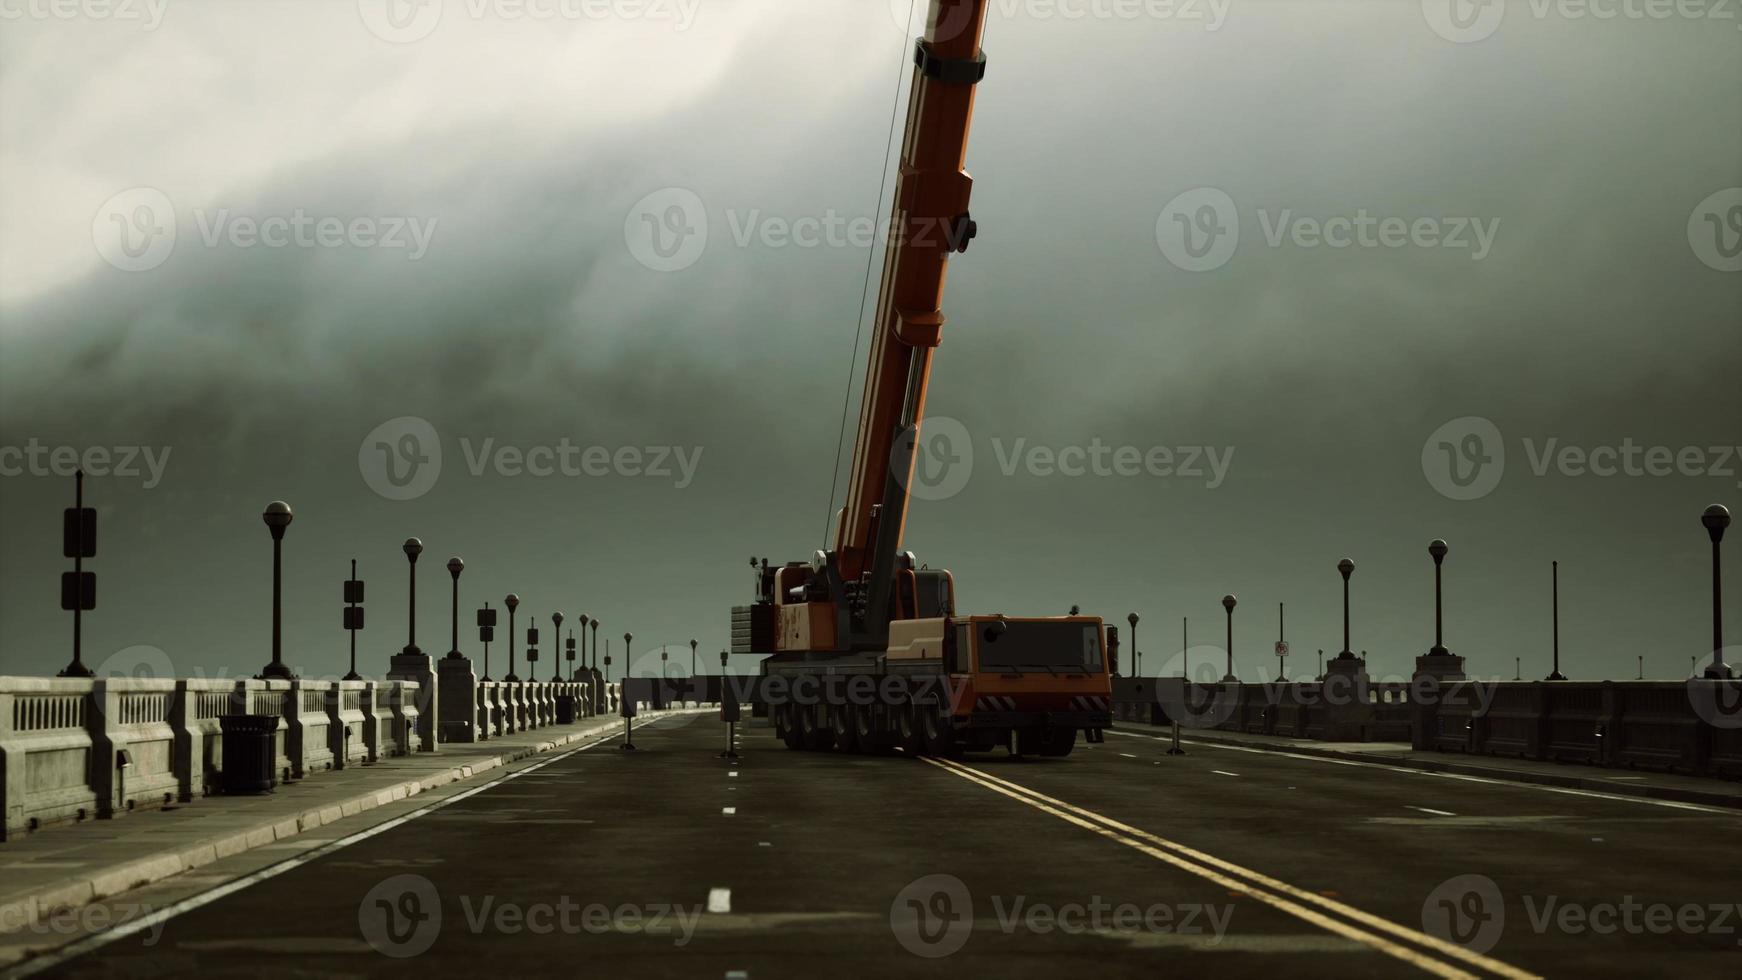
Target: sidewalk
x: 1620, y: 782
x: 70, y: 865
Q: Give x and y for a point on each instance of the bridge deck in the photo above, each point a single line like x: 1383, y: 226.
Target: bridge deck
x: 1242, y: 862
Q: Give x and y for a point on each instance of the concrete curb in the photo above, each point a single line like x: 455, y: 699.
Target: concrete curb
x: 21, y: 910
x: 1674, y: 794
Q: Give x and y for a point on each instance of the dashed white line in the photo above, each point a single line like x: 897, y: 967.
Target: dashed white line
x: 720, y: 900
x: 1437, y: 813
x: 727, y: 811
x: 1127, y: 755
x: 1221, y: 773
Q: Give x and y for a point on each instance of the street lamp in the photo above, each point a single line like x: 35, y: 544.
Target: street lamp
x: 412, y: 548
x: 277, y: 517
x: 556, y: 664
x: 626, y: 661
x: 1347, y: 568
x: 512, y: 601
x: 455, y: 566
x: 692, y: 658
x: 1555, y: 615
x: 1136, y: 654
x: 584, y: 621
x: 1438, y: 550
x: 595, y: 626
x: 1228, y: 603
x: 1716, y: 519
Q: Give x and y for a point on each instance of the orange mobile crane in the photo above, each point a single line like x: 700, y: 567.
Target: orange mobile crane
x: 863, y: 646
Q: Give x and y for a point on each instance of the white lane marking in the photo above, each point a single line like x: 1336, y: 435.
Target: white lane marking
x: 1222, y: 773
x: 727, y: 811
x: 719, y: 900
x: 1593, y: 794
x: 1281, y: 894
x: 192, y: 902
x: 732, y: 774
x: 1127, y: 755
x: 1277, y: 894
x: 1437, y: 813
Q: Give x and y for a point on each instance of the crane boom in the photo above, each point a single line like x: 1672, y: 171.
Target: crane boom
x: 929, y: 222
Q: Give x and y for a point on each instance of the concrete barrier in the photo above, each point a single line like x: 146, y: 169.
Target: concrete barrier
x: 73, y: 749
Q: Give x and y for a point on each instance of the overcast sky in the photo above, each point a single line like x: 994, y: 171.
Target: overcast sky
x: 639, y: 232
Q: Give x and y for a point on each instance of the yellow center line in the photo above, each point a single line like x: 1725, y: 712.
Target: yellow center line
x: 1178, y: 854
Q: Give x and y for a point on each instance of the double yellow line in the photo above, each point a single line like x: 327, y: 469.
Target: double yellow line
x: 1418, y: 949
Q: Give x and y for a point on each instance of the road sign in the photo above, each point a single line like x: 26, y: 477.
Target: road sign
x: 1282, y: 648
x: 79, y: 532
x: 72, y: 596
x: 354, y: 590
x: 353, y: 617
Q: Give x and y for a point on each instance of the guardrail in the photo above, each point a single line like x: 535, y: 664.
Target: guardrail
x: 76, y: 749
x: 1692, y: 727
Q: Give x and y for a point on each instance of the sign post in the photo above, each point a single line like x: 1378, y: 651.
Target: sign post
x: 78, y: 588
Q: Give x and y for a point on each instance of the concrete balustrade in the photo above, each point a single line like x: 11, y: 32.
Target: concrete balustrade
x: 1691, y: 727
x: 72, y: 749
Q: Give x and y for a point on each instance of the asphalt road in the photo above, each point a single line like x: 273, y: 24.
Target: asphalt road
x: 1120, y: 860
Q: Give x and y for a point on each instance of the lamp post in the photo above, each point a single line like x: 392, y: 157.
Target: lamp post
x: 512, y: 601
x: 1346, y: 568
x: 1228, y: 603
x: 277, y: 517
x: 455, y: 567
x: 692, y: 657
x: 1136, y: 655
x: 1185, y: 656
x: 584, y: 621
x: 412, y: 548
x: 626, y: 662
x: 556, y: 636
x: 1438, y: 549
x: 595, y: 626
x: 1716, y: 519
x: 1281, y: 648
x: 1555, y: 615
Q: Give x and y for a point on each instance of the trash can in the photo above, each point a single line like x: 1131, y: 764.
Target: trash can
x: 565, y: 709
x: 250, y: 753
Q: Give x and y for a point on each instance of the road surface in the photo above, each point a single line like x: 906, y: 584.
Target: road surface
x: 669, y: 861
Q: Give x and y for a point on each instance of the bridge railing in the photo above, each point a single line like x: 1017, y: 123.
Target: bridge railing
x: 1692, y: 727
x: 72, y: 749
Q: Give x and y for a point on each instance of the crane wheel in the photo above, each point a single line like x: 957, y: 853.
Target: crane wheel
x: 907, y: 731
x: 1056, y: 742
x: 870, y: 730
x: 844, y: 727
x: 817, y: 736
x: 786, y: 726
x: 940, y: 737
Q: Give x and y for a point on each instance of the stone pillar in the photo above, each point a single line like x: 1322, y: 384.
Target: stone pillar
x: 457, y: 700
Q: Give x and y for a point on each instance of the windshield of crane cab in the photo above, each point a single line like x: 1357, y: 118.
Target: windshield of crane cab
x: 1059, y: 647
